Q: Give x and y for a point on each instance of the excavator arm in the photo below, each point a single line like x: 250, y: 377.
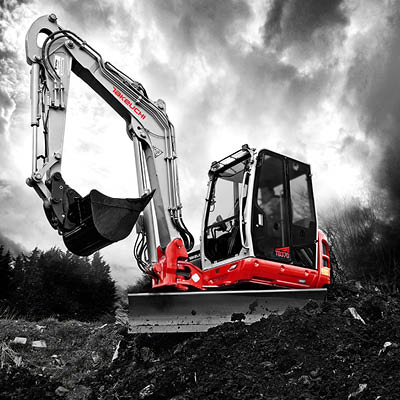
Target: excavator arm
x: 95, y: 221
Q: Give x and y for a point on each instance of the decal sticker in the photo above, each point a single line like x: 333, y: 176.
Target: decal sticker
x: 59, y: 65
x: 126, y: 101
x: 157, y: 152
x: 283, y: 252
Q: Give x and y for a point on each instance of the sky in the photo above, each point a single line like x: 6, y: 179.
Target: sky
x: 316, y: 80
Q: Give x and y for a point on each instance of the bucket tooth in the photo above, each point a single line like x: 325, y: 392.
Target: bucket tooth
x: 102, y: 220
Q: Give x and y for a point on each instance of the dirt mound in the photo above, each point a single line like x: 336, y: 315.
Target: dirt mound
x: 346, y: 348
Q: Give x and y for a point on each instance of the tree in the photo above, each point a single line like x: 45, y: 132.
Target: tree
x: 5, y: 273
x: 55, y: 283
x: 103, y: 287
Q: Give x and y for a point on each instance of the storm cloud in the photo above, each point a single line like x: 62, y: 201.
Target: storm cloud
x: 245, y: 80
x: 313, y: 79
x: 197, y: 25
x: 304, y: 23
x: 373, y: 91
x: 8, y: 61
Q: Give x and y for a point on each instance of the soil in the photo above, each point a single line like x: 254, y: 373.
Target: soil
x: 346, y: 348
x: 20, y: 383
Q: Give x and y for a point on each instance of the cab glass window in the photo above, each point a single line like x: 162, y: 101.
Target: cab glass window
x: 270, y: 217
x: 303, y: 221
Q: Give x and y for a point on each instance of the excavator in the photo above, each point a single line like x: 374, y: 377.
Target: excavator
x: 260, y: 249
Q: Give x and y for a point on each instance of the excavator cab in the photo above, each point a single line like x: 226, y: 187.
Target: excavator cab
x: 260, y: 205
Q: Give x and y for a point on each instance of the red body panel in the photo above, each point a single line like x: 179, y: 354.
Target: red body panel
x: 324, y: 262
x: 173, y: 270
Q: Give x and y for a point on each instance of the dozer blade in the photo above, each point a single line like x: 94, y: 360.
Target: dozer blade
x: 199, y: 311
x: 103, y: 220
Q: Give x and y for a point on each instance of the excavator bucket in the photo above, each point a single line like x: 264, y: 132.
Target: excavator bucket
x: 199, y: 311
x: 103, y: 220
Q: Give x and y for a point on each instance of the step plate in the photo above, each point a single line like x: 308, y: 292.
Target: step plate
x: 199, y: 311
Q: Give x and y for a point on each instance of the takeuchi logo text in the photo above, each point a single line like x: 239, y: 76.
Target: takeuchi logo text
x: 125, y: 100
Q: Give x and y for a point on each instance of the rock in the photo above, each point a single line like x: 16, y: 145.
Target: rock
x: 20, y: 340
x: 61, y: 391
x: 116, y: 352
x: 95, y: 357
x: 40, y: 328
x: 352, y: 311
x: 385, y: 346
x: 146, y: 391
x: 39, y: 344
x: 56, y: 360
x: 360, y: 389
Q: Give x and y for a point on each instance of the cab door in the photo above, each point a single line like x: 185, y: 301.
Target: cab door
x: 303, y: 225
x: 283, y: 227
x: 270, y: 218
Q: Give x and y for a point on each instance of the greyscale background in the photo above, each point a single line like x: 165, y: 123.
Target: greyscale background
x: 314, y: 79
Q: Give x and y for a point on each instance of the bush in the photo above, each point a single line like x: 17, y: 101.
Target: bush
x: 142, y: 285
x: 364, y: 239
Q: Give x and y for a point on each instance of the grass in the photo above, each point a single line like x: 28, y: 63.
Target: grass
x: 73, y: 349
